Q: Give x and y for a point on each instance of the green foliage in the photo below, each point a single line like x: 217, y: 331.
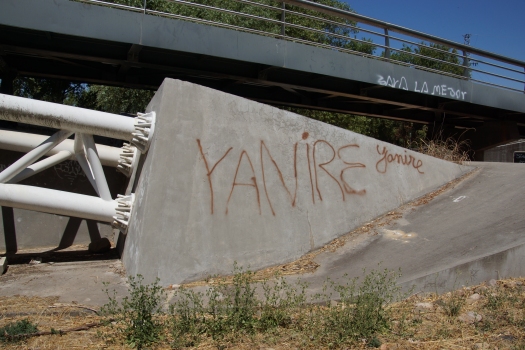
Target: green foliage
x: 51, y: 90
x: 233, y: 309
x: 116, y: 99
x: 453, y: 304
x: 436, y: 51
x: 280, y: 301
x: 404, y: 134
x: 15, y: 331
x: 328, y: 30
x: 136, y: 313
x: 104, y: 98
x: 361, y: 312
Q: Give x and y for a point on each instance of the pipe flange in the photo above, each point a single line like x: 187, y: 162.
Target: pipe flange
x: 123, y: 210
x: 128, y: 159
x: 144, y: 128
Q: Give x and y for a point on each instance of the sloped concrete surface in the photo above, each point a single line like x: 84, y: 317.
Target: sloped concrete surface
x: 469, y: 234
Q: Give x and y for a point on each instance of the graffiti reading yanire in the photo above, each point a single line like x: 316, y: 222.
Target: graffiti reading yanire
x: 422, y: 87
x: 316, y: 163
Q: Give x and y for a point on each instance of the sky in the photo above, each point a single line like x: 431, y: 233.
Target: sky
x: 496, y: 26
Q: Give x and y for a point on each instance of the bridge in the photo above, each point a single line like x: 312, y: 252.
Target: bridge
x: 324, y: 66
x: 213, y: 178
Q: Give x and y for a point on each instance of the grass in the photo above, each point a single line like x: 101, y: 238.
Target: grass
x: 246, y: 314
x: 449, y: 149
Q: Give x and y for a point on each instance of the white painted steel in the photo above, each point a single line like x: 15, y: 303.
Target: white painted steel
x: 82, y: 160
x: 25, y: 142
x: 144, y: 128
x: 57, y: 116
x: 128, y: 159
x: 123, y: 209
x: 96, y: 167
x: 41, y: 166
x: 57, y: 202
x: 33, y: 155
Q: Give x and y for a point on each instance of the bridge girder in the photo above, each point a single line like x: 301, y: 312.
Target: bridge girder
x: 60, y: 55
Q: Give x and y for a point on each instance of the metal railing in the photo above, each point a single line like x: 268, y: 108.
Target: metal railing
x: 316, y: 24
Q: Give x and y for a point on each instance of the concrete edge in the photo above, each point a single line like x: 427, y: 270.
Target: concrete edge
x: 507, y: 263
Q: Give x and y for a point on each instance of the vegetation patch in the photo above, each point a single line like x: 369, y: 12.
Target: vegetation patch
x: 273, y: 314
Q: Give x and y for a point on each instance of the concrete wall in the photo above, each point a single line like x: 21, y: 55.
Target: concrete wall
x: 504, y: 153
x: 227, y: 179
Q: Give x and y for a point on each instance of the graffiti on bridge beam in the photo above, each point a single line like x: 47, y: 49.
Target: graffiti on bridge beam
x: 317, y: 163
x: 422, y: 87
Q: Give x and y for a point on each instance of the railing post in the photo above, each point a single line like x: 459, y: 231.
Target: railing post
x: 283, y: 19
x: 387, y: 44
x: 466, y: 64
x: 145, y: 6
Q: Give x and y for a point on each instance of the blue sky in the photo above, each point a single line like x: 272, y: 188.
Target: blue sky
x: 497, y: 26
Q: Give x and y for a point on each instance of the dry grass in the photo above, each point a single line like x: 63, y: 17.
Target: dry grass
x: 448, y: 149
x: 420, y: 322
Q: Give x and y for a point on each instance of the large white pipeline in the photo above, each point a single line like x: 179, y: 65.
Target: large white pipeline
x: 25, y: 142
x: 57, y: 202
x: 62, y: 117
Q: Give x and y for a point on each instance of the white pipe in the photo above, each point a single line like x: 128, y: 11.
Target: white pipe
x: 41, y: 166
x: 96, y: 167
x: 25, y: 142
x: 57, y: 202
x: 33, y: 155
x: 57, y: 116
x: 81, y: 159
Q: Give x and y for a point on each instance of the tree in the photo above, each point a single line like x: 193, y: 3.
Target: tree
x: 448, y: 62
x: 115, y: 99
x: 396, y: 132
x: 58, y: 91
x: 323, y: 31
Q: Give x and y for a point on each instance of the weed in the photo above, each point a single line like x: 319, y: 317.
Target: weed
x: 494, y: 301
x: 362, y: 311
x: 229, y: 311
x: 280, y: 301
x: 136, y: 313
x: 453, y: 304
x: 187, y: 321
x: 374, y: 343
x: 15, y: 331
x: 449, y: 149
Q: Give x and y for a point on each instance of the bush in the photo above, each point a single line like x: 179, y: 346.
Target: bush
x: 15, y: 331
x: 136, y: 314
x: 361, y: 312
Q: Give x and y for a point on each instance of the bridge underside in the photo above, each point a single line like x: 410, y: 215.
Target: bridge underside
x: 58, y: 54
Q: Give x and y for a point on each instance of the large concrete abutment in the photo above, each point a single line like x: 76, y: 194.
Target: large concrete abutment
x: 227, y: 179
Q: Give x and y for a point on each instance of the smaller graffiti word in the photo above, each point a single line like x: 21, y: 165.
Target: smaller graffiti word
x: 69, y: 170
x: 404, y: 159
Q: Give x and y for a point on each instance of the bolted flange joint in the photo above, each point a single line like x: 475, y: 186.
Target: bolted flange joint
x: 123, y: 210
x: 144, y: 128
x: 127, y: 160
